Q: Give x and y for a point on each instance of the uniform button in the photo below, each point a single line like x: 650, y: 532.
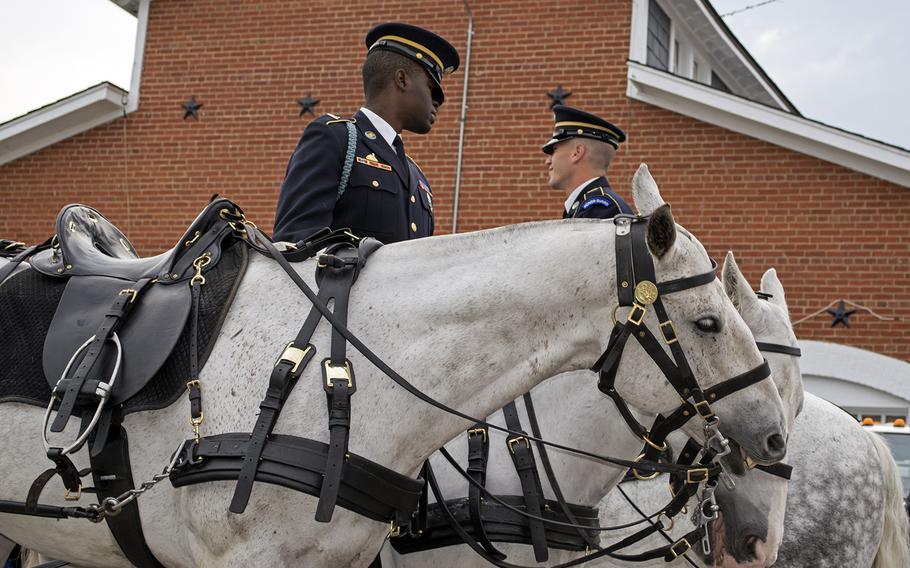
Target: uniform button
x: 413, y: 199
x: 375, y: 183
x: 414, y: 227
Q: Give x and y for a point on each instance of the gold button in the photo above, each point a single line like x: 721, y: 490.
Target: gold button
x: 413, y: 199
x: 419, y: 55
x: 414, y: 227
x: 580, y: 131
x: 375, y: 183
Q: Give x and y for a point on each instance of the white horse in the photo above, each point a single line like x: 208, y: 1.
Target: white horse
x: 845, y: 505
x: 754, y: 511
x: 472, y: 320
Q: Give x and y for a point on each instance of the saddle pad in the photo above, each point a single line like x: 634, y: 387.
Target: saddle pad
x: 29, y: 300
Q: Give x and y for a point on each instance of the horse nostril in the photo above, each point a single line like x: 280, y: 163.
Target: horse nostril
x: 753, y: 549
x: 750, y: 544
x: 777, y: 446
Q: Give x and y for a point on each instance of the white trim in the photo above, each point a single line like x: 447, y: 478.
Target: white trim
x: 778, y: 127
x: 746, y: 63
x: 78, y: 113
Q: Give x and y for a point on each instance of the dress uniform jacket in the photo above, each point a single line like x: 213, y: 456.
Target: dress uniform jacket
x: 597, y: 201
x: 383, y: 198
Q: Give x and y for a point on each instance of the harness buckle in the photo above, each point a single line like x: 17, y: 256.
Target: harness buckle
x: 637, y: 315
x: 680, y: 547
x: 293, y: 355
x: 697, y: 475
x: 668, y: 330
x: 513, y: 441
x: 704, y: 409
x: 337, y: 372
x: 481, y: 431
x: 70, y: 497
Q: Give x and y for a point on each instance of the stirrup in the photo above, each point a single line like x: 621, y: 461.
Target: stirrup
x: 103, y: 392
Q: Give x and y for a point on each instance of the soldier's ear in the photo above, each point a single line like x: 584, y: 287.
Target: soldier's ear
x: 578, y: 153
x: 400, y: 79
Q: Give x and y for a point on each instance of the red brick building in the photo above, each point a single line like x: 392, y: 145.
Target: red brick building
x: 742, y: 168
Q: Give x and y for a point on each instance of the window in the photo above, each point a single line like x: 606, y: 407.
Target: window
x: 718, y: 83
x: 658, y: 37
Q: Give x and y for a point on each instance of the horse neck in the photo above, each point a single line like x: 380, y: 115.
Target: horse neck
x: 481, y: 319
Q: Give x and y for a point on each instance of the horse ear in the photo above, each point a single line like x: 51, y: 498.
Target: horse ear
x: 771, y: 284
x: 645, y: 194
x: 735, y: 284
x: 661, y: 231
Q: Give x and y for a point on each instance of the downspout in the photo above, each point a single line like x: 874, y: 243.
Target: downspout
x: 464, y: 111
x: 132, y: 100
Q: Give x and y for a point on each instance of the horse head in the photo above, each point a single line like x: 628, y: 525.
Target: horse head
x: 750, y: 526
x: 711, y: 332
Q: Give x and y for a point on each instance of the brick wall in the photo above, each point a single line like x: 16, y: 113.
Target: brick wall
x: 829, y: 231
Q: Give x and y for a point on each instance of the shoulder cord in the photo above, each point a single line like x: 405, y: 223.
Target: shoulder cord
x: 348, y: 159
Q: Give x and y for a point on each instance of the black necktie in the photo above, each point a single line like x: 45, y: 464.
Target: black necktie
x: 402, y: 157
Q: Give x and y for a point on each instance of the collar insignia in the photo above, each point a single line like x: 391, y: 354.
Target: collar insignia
x: 370, y: 134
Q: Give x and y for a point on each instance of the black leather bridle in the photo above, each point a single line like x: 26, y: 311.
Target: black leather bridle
x: 636, y: 288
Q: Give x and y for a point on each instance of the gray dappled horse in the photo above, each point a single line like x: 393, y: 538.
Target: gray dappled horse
x: 472, y: 320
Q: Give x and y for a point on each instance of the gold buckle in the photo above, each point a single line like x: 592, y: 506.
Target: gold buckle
x: 686, y: 545
x: 641, y: 477
x: 129, y: 292
x: 670, y: 522
x: 394, y: 530
x: 70, y: 497
x: 333, y: 372
x: 512, y: 441
x: 706, y: 414
x: 638, y: 309
x: 701, y: 471
x: 663, y: 330
x: 481, y: 431
x: 293, y: 355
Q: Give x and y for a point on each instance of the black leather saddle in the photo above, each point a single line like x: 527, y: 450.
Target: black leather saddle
x: 100, y: 264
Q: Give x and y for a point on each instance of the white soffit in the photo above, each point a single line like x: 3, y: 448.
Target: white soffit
x: 689, y: 98
x: 845, y: 363
x: 79, y: 112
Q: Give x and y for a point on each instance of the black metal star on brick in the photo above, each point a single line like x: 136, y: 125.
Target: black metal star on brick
x: 191, y: 108
x: 559, y: 96
x: 841, y: 314
x: 308, y: 104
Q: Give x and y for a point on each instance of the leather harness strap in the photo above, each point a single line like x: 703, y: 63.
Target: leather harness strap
x: 478, y: 452
x: 526, y: 467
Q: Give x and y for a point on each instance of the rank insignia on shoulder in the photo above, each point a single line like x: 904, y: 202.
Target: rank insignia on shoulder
x: 370, y: 134
x: 373, y: 163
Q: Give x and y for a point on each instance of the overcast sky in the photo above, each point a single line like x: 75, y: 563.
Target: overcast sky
x: 842, y: 62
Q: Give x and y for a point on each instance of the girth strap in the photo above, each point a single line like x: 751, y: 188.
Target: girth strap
x: 113, y: 477
x: 526, y: 467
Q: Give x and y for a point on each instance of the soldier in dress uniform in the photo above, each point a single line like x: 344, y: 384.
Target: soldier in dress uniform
x: 382, y: 193
x: 578, y: 155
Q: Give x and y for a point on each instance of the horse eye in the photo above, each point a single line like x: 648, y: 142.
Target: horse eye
x: 708, y: 325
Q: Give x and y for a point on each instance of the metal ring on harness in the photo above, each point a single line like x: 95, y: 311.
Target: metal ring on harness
x: 640, y: 477
x: 103, y: 390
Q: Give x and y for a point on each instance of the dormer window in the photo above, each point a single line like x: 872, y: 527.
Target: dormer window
x: 658, y: 37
